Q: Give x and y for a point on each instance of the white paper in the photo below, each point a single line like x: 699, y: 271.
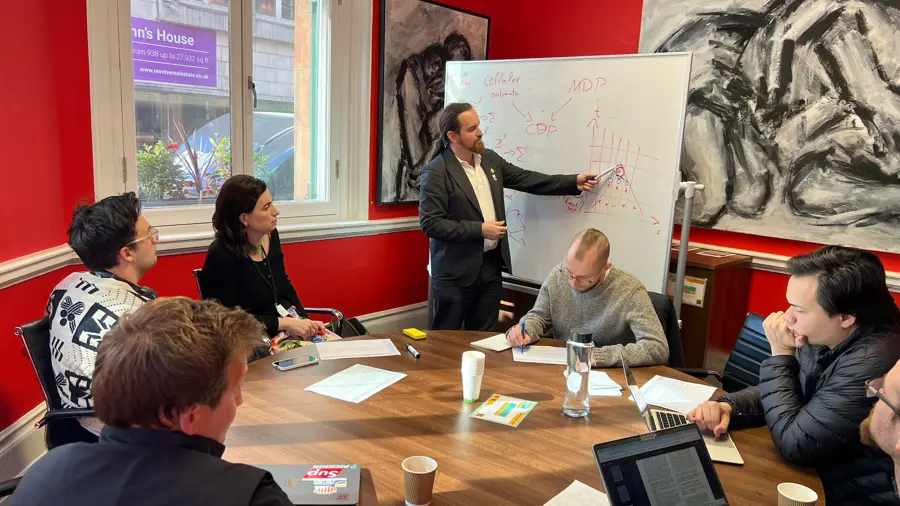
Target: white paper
x: 336, y: 350
x: 601, y: 385
x: 356, y: 384
x: 494, y: 343
x: 540, y: 355
x: 579, y: 494
x: 674, y: 394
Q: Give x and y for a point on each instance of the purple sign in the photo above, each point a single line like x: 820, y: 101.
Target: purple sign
x: 177, y: 54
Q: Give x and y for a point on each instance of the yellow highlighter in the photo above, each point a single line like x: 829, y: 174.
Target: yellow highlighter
x: 414, y: 333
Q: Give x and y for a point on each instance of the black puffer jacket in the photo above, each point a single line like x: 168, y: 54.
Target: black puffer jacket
x: 814, y: 404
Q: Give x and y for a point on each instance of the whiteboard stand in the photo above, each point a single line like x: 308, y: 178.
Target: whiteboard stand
x: 689, y: 188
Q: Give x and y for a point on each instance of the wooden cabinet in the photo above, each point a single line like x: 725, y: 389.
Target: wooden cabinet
x: 710, y: 331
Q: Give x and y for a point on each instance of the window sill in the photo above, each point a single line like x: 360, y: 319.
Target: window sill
x: 26, y: 267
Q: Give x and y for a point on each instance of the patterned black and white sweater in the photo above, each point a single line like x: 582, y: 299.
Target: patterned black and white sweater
x: 82, y: 309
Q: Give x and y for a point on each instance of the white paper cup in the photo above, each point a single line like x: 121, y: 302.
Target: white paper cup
x: 473, y: 362
x: 471, y: 386
x: 418, y: 480
x: 794, y: 494
x: 473, y: 370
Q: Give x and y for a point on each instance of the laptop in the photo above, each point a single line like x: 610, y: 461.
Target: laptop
x: 668, y: 467
x: 318, y: 484
x: 720, y: 449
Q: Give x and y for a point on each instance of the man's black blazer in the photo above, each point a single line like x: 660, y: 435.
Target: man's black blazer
x: 449, y: 213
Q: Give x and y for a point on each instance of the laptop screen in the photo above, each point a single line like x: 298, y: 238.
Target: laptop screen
x: 633, y: 386
x: 669, y: 467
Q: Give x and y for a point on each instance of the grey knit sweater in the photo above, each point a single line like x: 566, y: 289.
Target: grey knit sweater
x: 618, y: 311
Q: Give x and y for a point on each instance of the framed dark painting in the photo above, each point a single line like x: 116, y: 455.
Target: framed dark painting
x: 417, y: 38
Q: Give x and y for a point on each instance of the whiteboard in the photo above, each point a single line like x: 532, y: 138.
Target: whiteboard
x: 574, y: 115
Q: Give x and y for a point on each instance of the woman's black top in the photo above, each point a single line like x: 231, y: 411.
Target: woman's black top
x: 237, y: 281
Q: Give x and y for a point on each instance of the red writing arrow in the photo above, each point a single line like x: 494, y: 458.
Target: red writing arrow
x: 520, y: 112
x: 553, y: 114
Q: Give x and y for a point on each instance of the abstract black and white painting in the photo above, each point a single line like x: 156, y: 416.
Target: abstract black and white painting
x: 793, y: 120
x: 417, y: 39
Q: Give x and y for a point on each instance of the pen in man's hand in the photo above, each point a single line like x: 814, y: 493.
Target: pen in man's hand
x: 522, y: 347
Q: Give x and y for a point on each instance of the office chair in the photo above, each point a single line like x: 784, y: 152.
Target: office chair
x: 752, y: 347
x: 665, y: 311
x: 344, y: 327
x: 61, y: 423
x: 8, y: 487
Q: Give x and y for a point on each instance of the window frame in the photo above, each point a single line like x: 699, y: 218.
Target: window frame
x: 344, y: 116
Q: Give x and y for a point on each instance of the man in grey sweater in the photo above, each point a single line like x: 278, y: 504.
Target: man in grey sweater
x: 587, y: 291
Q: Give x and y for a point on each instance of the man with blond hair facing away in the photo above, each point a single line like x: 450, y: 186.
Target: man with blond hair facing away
x: 587, y: 291
x: 167, y: 384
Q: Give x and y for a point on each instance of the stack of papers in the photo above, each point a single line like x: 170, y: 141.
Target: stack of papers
x: 580, y: 494
x: 540, y: 355
x: 337, y: 350
x: 601, y: 385
x: 676, y: 395
x: 494, y: 343
x: 356, y: 384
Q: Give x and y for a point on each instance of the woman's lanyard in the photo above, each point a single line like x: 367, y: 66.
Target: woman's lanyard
x: 270, y: 282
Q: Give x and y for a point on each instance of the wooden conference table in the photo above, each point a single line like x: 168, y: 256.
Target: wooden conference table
x: 478, y: 462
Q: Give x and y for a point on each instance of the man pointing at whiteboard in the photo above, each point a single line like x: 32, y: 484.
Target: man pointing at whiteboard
x: 461, y: 209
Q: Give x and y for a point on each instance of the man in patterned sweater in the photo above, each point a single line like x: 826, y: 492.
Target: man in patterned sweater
x: 118, y: 245
x: 587, y: 291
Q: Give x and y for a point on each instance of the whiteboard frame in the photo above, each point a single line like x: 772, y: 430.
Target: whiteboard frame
x: 689, y: 57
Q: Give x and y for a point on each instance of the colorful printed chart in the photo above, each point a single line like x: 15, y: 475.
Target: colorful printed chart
x: 504, y: 410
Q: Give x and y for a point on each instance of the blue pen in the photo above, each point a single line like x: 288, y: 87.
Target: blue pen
x: 522, y: 347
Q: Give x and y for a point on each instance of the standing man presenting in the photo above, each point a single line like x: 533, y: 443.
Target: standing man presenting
x: 461, y: 209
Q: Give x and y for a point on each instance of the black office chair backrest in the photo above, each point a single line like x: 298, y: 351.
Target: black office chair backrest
x: 198, y: 273
x: 752, y: 347
x: 8, y: 487
x: 36, y: 336
x: 665, y: 310
x: 60, y: 430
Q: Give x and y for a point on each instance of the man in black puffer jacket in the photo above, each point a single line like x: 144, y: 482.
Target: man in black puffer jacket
x: 841, y: 329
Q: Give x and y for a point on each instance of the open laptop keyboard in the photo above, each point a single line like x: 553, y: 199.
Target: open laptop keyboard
x: 668, y: 420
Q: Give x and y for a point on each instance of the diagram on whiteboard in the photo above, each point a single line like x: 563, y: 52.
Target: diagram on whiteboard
x: 585, y: 115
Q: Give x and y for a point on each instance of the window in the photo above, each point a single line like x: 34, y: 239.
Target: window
x: 287, y: 10
x: 206, y: 94
x: 265, y: 7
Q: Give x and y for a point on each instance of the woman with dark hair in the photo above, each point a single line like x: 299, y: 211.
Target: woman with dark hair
x: 245, y: 265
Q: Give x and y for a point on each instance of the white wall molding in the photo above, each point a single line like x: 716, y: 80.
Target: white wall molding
x: 21, y: 444
x: 33, y: 265
x: 771, y: 262
x: 175, y: 243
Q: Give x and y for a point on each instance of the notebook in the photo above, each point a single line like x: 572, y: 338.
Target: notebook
x: 494, y: 343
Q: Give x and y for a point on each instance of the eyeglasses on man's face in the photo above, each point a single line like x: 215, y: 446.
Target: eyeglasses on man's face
x: 874, y: 388
x: 152, y: 232
x: 581, y: 280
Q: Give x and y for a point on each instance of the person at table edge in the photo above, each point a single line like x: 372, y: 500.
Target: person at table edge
x: 586, y: 290
x: 244, y: 264
x: 840, y: 330
x: 462, y: 211
x: 882, y: 428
